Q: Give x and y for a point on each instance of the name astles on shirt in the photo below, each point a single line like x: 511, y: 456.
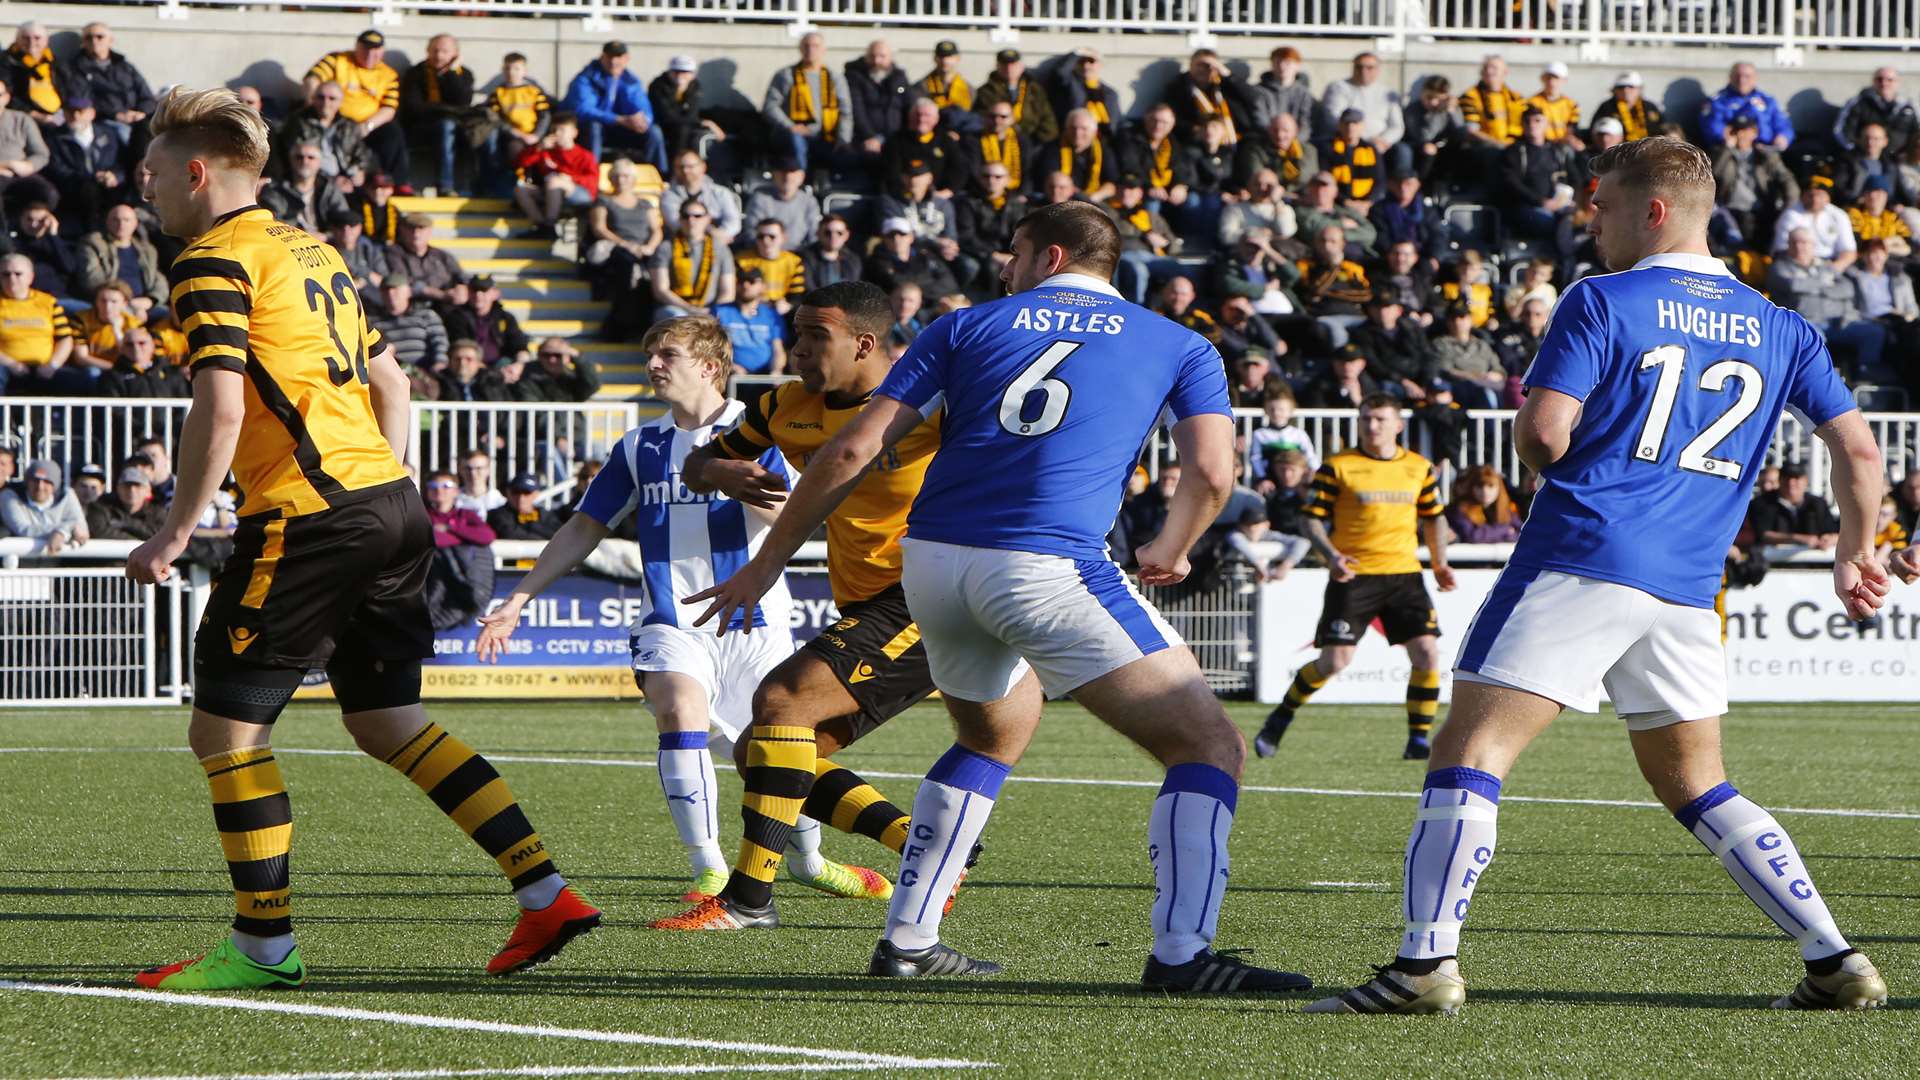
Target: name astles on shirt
x: 1057, y: 321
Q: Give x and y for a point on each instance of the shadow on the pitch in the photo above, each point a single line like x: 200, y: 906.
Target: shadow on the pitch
x: 1635, y: 932
x: 1649, y: 999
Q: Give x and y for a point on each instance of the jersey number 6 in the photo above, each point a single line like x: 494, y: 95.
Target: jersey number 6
x: 350, y: 362
x: 1013, y: 406
x: 1671, y: 359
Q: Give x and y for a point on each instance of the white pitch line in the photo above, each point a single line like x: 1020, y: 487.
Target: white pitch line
x: 845, y: 1058
x: 523, y: 1070
x: 1079, y: 781
x: 1348, y: 884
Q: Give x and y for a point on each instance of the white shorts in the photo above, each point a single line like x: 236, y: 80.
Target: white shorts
x: 986, y: 614
x: 729, y: 667
x: 1564, y: 637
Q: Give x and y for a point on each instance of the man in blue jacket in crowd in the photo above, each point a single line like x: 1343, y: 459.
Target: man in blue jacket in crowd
x: 613, y: 109
x: 1742, y: 96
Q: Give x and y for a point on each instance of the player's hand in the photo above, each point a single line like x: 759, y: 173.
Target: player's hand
x: 152, y: 562
x: 736, y: 594
x: 1861, y: 583
x: 746, y: 481
x: 496, y: 628
x: 1344, y: 568
x: 1444, y: 579
x: 1160, y: 565
x: 1906, y: 564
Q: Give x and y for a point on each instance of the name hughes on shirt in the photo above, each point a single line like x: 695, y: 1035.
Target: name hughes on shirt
x: 1057, y: 321
x: 1709, y: 325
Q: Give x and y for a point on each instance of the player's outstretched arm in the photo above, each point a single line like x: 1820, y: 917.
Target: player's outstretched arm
x: 566, y: 551
x: 207, y: 439
x: 708, y: 469
x: 833, y: 471
x: 1434, y: 530
x: 1859, y: 481
x: 1339, y: 564
x: 1543, y: 427
x: 1207, y: 471
x: 390, y: 391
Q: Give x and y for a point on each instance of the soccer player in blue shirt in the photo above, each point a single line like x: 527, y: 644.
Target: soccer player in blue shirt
x: 1049, y: 395
x: 1651, y: 404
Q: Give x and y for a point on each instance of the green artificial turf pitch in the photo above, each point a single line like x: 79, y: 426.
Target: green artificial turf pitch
x: 1605, y: 942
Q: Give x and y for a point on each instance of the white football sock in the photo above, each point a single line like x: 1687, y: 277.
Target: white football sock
x: 265, y: 951
x: 1187, y: 844
x: 1451, y: 847
x: 803, y: 849
x: 1761, y: 859
x: 541, y: 893
x: 687, y: 780
x: 949, y: 811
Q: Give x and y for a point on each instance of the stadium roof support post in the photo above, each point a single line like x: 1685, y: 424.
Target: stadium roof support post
x: 1789, y: 53
x: 596, y: 20
x: 802, y: 23
x: 1595, y: 50
x: 1201, y: 36
x: 387, y: 14
x: 171, y: 11
x: 1003, y: 32
x: 1404, y: 15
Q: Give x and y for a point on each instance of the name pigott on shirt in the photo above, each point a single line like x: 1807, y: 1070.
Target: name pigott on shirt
x: 671, y: 492
x: 1055, y: 321
x: 1707, y: 325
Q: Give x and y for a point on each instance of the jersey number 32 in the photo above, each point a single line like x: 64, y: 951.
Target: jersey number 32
x: 1671, y: 360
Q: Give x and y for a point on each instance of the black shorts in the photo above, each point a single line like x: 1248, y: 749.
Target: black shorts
x: 1399, y: 601
x: 296, y: 588
x: 876, y: 652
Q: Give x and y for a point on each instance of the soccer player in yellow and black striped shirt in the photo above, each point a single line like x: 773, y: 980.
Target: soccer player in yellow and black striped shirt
x: 1381, y: 499
x: 307, y: 406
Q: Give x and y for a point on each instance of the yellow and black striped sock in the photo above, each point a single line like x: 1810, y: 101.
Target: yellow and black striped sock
x: 848, y: 803
x: 255, y: 820
x: 465, y: 788
x: 1306, y: 682
x: 1423, y: 702
x: 779, y: 776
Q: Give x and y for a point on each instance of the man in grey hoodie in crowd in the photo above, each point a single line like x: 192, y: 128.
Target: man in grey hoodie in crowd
x: 45, y: 509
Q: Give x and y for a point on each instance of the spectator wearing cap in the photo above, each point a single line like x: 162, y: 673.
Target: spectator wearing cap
x: 877, y: 90
x: 1321, y: 208
x: 117, y: 252
x: 1147, y: 243
x: 1353, y: 161
x: 1087, y: 157
x: 693, y: 270
x: 129, y: 512
x: 1397, y: 354
x: 1077, y: 85
x: 1791, y: 520
x: 1284, y: 88
x: 140, y: 372
x: 87, y: 161
x: 110, y: 80
x: 949, y: 90
x: 41, y: 509
x: 371, y: 97
x: 521, y: 518
x: 1829, y: 226
x: 901, y: 257
x: 923, y: 142
x: 1003, y: 144
x: 366, y: 260
x: 343, y: 151
x: 933, y: 218
x: 432, y: 271
x: 1466, y: 359
x: 557, y: 177
x: 1637, y: 116
x: 1281, y: 147
x: 1152, y: 152
x: 613, y: 110
x: 1207, y: 89
x: 1872, y: 218
x: 303, y: 197
x: 690, y: 183
x: 1884, y: 297
x: 467, y: 377
x: 781, y: 270
x: 36, y: 340
x: 1248, y: 371
x: 416, y: 332
x: 89, y: 484
x: 1869, y: 159
x: 30, y: 72
x: 1383, y: 119
x: 1032, y: 112
x: 1403, y: 216
x: 810, y: 105
x: 1345, y: 383
x: 483, y: 321
x: 558, y: 374
x: 785, y: 199
x: 758, y: 332
x: 379, y: 214
x: 1742, y: 96
x: 675, y: 96
x: 1536, y: 178
x: 1436, y: 132
x: 1561, y: 111
x: 436, y: 94
x: 1751, y: 181
x: 830, y: 258
x: 1242, y: 330
x: 1605, y: 134
x: 1879, y: 103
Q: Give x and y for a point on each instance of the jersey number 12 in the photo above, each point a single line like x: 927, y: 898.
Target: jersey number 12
x: 1672, y: 360
x: 1036, y: 378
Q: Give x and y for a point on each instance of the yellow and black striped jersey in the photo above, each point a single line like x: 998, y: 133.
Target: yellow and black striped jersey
x: 785, y: 274
x: 522, y: 107
x: 30, y: 326
x: 1375, y: 506
x: 863, y: 533
x: 1563, y: 115
x: 269, y: 301
x: 367, y: 90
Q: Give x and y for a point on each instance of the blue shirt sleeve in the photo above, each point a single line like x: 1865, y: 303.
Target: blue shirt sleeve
x: 1817, y: 389
x: 776, y: 463
x: 1201, y: 386
x: 919, y: 378
x: 1573, y: 355
x: 631, y: 97
x: 583, y: 98
x: 610, y: 496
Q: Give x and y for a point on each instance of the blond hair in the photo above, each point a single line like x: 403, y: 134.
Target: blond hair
x: 215, y: 125
x: 1662, y: 167
x: 704, y: 339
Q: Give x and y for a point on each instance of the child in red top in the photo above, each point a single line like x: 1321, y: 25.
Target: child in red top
x: 555, y: 175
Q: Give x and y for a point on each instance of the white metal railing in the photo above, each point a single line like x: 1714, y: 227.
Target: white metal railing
x: 1787, y: 26
x: 87, y: 635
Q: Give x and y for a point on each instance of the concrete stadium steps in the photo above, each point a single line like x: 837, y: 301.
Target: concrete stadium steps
x: 516, y: 267
x: 542, y: 307
x: 571, y: 290
x: 493, y: 247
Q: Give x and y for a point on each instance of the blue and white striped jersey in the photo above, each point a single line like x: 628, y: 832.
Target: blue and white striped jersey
x: 688, y: 541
